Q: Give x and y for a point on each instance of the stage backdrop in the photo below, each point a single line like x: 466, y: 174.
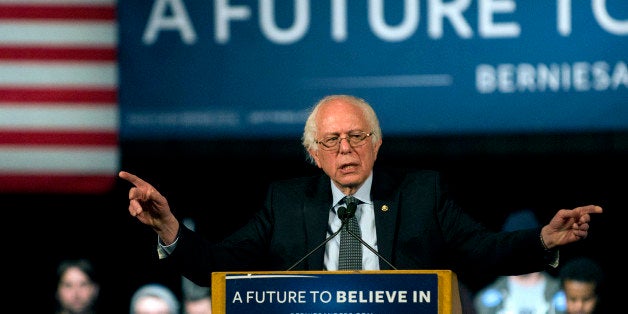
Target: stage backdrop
x: 250, y: 69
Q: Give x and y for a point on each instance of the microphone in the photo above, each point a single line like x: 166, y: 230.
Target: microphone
x: 348, y: 214
x: 342, y: 212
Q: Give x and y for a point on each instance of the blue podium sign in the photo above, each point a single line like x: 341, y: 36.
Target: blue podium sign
x: 330, y: 292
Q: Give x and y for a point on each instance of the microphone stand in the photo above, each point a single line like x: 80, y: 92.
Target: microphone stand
x: 344, y: 221
x: 370, y: 248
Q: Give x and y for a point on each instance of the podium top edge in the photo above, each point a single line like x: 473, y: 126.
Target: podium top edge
x: 431, y: 271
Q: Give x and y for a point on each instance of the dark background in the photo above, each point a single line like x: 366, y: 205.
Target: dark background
x: 220, y: 184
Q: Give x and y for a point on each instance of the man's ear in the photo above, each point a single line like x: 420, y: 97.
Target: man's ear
x: 376, y: 147
x: 314, y: 154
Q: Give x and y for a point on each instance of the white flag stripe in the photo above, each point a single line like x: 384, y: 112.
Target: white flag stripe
x: 80, y: 33
x: 66, y: 117
x: 42, y: 160
x: 39, y: 74
x: 55, y: 2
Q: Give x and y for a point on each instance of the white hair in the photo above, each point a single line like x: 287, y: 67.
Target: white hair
x: 157, y: 291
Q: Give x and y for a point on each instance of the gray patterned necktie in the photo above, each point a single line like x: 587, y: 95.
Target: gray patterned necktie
x: 350, y: 255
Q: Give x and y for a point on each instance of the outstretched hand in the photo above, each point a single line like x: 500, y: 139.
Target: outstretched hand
x: 569, y: 225
x: 151, y: 208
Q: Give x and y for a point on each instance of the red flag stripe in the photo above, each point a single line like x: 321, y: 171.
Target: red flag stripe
x: 58, y: 12
x: 59, y: 94
x: 56, y: 183
x: 38, y: 53
x: 58, y: 137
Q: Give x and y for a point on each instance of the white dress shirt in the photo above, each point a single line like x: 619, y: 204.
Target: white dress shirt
x: 366, y: 219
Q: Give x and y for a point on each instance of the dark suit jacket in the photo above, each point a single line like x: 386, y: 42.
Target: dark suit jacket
x: 418, y: 227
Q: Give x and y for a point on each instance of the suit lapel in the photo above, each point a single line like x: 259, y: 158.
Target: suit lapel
x: 316, y: 214
x: 385, y: 205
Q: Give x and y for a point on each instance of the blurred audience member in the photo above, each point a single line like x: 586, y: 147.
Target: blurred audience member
x: 154, y: 299
x: 198, y: 306
x: 581, y: 280
x: 533, y: 293
x: 77, y: 287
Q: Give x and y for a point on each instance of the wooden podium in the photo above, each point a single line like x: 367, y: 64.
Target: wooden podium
x: 386, y: 291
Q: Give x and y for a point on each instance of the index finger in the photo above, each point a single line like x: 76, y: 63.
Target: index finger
x: 590, y: 209
x: 131, y: 178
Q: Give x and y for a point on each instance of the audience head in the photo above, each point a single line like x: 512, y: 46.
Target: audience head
x: 77, y: 287
x: 520, y: 219
x: 154, y: 299
x: 196, y: 299
x: 201, y: 305
x: 581, y: 280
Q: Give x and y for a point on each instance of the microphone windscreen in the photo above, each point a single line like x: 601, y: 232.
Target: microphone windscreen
x: 342, y: 212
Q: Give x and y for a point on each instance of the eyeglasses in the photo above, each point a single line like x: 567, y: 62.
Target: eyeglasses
x: 355, y: 139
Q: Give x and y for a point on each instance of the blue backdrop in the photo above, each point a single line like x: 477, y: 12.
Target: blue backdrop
x: 250, y: 69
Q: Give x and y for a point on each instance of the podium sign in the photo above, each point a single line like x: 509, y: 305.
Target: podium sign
x: 373, y: 292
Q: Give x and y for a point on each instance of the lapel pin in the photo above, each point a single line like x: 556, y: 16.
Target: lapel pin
x: 384, y: 208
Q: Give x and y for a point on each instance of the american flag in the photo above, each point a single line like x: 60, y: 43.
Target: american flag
x: 58, y: 96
